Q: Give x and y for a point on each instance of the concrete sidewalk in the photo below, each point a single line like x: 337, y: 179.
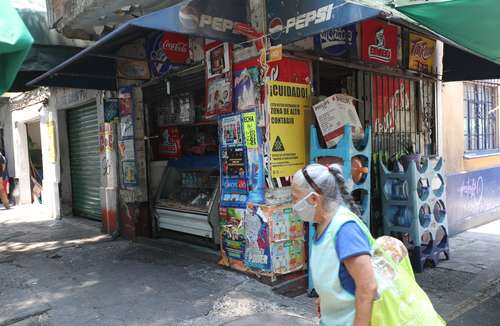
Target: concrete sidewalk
x: 67, y: 273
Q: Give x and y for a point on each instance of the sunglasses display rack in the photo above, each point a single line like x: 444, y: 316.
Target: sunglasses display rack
x: 349, y: 156
x: 414, y: 210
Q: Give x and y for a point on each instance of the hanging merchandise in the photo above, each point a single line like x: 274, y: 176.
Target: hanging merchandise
x: 165, y: 51
x: 333, y: 113
x: 288, y: 104
x: 219, y: 79
x: 248, y: 93
x: 170, y: 143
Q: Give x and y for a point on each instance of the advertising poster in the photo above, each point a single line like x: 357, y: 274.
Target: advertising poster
x: 392, y: 107
x: 51, y: 140
x: 338, y: 42
x: 126, y: 149
x: 379, y: 42
x: 234, y: 184
x: 111, y: 109
x: 421, y: 53
x: 247, y: 89
x: 106, y: 135
x: 255, y: 158
x: 220, y: 97
x: 170, y: 146
x: 287, y: 104
x: 126, y: 103
x: 257, y: 253
x: 290, y: 70
x: 232, y: 237
x: 127, y: 126
x: 285, y: 225
x: 217, y: 59
x: 231, y: 130
x: 129, y: 174
x: 287, y: 256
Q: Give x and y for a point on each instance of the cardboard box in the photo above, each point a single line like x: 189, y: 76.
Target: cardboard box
x: 333, y: 113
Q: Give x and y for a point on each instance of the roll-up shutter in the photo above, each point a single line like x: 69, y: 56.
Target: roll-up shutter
x: 83, y: 134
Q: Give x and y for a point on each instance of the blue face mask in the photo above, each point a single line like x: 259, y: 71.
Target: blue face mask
x: 305, y: 210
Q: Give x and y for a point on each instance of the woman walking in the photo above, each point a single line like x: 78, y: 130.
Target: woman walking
x: 356, y: 284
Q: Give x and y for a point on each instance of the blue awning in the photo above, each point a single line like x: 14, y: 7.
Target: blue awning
x: 95, y: 67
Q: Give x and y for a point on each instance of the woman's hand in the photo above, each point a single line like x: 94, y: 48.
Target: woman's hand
x: 361, y: 270
x: 318, y: 307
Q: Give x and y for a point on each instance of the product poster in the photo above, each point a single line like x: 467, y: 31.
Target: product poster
x: 247, y: 89
x: 220, y: 97
x: 106, y: 135
x: 234, y: 184
x: 257, y: 253
x: 232, y: 237
x: 129, y: 174
x: 290, y: 70
x: 126, y: 149
x: 111, y: 109
x: 287, y: 104
x: 170, y: 146
x: 285, y: 225
x: 217, y: 59
x: 231, y: 130
x: 287, y: 256
x: 421, y: 53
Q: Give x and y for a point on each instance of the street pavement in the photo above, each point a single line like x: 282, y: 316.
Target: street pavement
x: 66, y: 272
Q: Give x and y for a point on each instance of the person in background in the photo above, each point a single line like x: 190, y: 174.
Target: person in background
x: 4, y: 178
x: 340, y: 261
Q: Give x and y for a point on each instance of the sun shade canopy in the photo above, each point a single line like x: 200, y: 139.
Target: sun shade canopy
x: 472, y: 25
x: 15, y: 43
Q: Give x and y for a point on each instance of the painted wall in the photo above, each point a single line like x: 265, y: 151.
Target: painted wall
x: 473, y: 183
x: 453, y: 133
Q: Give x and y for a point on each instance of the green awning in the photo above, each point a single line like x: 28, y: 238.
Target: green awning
x: 15, y: 43
x: 471, y: 24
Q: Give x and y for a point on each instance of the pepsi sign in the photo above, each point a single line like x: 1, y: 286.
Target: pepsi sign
x: 292, y: 20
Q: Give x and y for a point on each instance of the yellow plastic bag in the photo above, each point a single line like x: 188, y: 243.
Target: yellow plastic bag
x: 401, y: 301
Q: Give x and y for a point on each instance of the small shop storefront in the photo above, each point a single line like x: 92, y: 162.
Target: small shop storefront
x: 209, y: 133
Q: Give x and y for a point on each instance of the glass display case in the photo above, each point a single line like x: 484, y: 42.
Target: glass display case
x: 188, y: 196
x: 188, y: 190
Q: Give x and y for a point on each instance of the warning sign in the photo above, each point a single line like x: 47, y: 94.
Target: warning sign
x: 278, y: 145
x: 288, y: 103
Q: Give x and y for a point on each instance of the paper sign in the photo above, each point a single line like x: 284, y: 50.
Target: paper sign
x: 51, y: 132
x: 250, y: 128
x: 275, y: 53
x: 333, y: 114
x: 287, y: 105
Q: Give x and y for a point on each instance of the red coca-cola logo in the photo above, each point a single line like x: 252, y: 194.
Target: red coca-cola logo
x: 176, y: 47
x: 421, y: 50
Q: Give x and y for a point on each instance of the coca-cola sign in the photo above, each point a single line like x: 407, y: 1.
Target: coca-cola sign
x: 379, y: 42
x: 166, y: 50
x: 176, y: 47
x: 421, y: 53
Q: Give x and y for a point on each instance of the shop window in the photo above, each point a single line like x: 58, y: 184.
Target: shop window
x: 480, y: 116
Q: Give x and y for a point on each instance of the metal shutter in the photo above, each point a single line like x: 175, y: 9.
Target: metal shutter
x: 83, y: 134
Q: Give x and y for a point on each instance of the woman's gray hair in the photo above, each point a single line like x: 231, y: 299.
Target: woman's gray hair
x: 330, y: 180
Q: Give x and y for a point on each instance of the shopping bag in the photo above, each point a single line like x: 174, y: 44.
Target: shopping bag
x: 400, y: 300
